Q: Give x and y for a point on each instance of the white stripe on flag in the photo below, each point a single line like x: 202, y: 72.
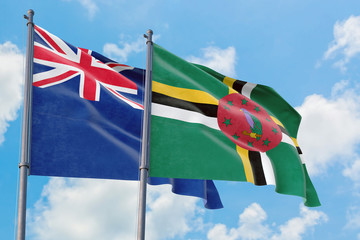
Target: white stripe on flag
x: 268, y: 169
x: 183, y: 115
x: 302, y: 158
x: 287, y: 139
x: 247, y: 89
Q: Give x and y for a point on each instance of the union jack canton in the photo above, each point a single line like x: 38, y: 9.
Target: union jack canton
x: 66, y: 62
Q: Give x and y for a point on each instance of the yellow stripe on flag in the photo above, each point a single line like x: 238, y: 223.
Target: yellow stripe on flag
x: 231, y: 90
x: 295, y: 142
x: 277, y: 121
x: 190, y: 95
x: 230, y: 82
x: 244, y: 155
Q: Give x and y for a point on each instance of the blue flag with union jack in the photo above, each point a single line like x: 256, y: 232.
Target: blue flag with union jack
x: 86, y: 118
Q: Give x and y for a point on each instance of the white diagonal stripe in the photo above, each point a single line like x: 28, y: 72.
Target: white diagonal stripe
x: 68, y: 51
x: 120, y: 89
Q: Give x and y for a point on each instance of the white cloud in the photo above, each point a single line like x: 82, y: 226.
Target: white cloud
x: 85, y: 209
x: 353, y: 218
x: 219, y: 232
x: 11, y: 81
x: 90, y: 6
x: 221, y: 60
x: 106, y: 209
x: 339, y: 87
x: 329, y: 131
x: 251, y: 223
x: 353, y: 172
x: 346, y: 41
x: 298, y: 226
x: 252, y: 226
x: 169, y: 216
x: 113, y: 51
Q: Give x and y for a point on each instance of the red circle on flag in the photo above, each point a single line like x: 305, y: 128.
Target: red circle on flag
x: 247, y: 124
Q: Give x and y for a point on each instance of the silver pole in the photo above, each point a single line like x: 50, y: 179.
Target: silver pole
x: 25, y: 144
x: 145, y: 150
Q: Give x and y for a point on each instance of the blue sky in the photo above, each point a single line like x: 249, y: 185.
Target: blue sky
x: 307, y: 51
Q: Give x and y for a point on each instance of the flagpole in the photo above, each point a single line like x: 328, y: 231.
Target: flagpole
x: 145, y: 150
x: 25, y: 144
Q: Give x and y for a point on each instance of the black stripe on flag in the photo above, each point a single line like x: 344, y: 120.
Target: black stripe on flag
x: 238, y: 85
x: 209, y: 110
x: 256, y: 166
x: 299, y: 150
x: 283, y: 130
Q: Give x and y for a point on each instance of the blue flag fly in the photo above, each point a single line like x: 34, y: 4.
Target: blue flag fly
x: 86, y: 118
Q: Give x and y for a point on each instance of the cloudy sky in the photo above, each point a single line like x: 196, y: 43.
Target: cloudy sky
x: 308, y: 52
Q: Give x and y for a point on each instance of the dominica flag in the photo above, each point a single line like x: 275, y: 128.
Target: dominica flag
x: 208, y: 126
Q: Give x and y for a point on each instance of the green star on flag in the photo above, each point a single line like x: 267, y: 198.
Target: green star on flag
x: 266, y: 142
x: 236, y: 136
x: 244, y: 102
x: 275, y: 131
x: 227, y: 121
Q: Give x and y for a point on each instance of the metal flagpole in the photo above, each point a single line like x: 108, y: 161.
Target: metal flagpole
x: 25, y: 144
x: 145, y: 150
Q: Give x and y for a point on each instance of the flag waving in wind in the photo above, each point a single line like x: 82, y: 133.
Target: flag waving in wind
x: 86, y: 118
x: 208, y: 126
x: 68, y: 62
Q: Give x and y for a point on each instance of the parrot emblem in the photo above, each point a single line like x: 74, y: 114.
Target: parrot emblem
x: 247, y: 124
x: 254, y: 123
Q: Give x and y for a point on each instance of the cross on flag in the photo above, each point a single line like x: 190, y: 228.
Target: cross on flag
x: 66, y: 62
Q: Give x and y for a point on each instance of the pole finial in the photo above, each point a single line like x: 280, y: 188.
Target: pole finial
x: 149, y: 36
x: 30, y: 16
x: 31, y: 12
